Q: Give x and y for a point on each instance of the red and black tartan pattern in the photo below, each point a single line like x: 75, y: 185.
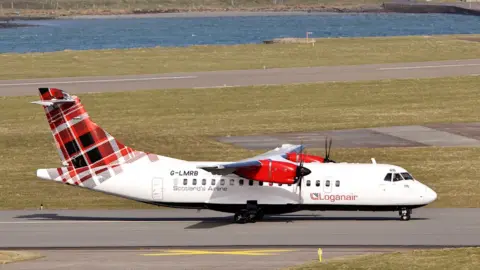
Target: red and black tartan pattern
x: 80, y: 142
x: 85, y: 176
x: 87, y: 149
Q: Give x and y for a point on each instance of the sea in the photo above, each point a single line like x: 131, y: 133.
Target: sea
x: 108, y: 33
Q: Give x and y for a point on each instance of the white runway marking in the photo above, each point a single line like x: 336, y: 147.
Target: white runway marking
x: 419, y: 67
x: 100, y: 81
x: 217, y: 86
x: 238, y: 85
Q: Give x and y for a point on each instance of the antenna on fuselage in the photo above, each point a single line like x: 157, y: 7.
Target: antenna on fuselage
x: 374, y: 161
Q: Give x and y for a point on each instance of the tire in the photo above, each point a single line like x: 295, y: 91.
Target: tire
x: 259, y: 215
x: 238, y: 218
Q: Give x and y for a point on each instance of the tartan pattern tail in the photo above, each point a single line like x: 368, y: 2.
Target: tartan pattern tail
x: 79, y: 141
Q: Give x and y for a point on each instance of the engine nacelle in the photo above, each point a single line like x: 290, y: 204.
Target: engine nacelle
x: 272, y: 171
x: 295, y: 157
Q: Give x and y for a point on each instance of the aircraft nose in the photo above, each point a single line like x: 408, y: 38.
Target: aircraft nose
x: 430, y: 195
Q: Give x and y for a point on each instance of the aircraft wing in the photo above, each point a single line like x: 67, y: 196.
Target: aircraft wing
x: 278, y: 153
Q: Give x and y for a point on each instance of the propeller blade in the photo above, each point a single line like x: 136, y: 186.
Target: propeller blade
x: 330, y: 147
x: 326, y: 154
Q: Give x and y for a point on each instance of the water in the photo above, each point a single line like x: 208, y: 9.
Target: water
x: 84, y: 34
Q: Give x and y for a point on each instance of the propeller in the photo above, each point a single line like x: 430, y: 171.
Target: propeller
x: 301, y: 171
x: 327, y: 152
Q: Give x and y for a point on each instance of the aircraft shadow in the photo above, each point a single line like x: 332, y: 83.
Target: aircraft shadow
x: 206, y: 222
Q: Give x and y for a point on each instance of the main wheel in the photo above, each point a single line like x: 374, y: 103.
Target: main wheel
x: 259, y: 215
x: 405, y: 217
x: 239, y: 218
x: 252, y: 217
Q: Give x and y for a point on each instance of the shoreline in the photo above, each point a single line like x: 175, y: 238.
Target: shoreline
x: 197, y: 12
x: 203, y: 14
x: 386, y: 7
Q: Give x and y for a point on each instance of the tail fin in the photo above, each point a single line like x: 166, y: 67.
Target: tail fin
x: 79, y: 141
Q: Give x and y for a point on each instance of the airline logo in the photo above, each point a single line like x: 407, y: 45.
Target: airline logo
x: 333, y: 197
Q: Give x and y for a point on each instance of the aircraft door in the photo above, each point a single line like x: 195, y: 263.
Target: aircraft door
x: 157, y: 188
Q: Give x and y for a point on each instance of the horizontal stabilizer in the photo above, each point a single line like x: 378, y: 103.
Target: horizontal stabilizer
x: 52, y: 102
x: 51, y: 174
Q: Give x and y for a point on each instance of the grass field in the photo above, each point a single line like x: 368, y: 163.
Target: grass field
x: 326, y: 52
x: 433, y: 259
x: 180, y: 123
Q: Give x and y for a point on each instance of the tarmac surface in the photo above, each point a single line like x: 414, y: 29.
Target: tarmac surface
x: 447, y: 134
x: 266, y: 76
x: 181, y: 228
x: 188, y: 239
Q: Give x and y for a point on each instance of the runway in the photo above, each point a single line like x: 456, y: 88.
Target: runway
x: 180, y: 228
x: 187, y: 239
x: 266, y: 76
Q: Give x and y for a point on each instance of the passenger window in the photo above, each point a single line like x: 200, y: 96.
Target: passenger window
x: 213, y: 182
x: 185, y: 181
x: 240, y: 182
x: 260, y: 183
x: 289, y: 185
x: 204, y: 182
x: 279, y: 185
x: 232, y: 182
x: 388, y: 177
x: 337, y: 183
x: 327, y: 183
x: 317, y: 183
x: 397, y: 177
x: 308, y: 183
x: 222, y: 182
x: 194, y: 181
x: 250, y: 182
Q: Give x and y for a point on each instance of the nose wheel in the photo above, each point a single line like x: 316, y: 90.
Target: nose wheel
x: 405, y: 214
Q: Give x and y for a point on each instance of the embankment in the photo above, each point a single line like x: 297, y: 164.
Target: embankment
x: 451, y: 8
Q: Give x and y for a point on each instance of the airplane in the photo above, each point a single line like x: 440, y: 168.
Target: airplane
x: 279, y: 181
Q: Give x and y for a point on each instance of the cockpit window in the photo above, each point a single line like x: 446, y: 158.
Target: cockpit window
x: 407, y: 176
x: 388, y: 177
x: 397, y: 177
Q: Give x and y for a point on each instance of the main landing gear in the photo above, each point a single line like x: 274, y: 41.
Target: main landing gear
x: 405, y: 214
x: 251, y: 213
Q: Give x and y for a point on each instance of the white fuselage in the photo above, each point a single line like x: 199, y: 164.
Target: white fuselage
x: 329, y: 186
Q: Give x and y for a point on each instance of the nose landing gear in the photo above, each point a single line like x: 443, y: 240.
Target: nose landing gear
x: 405, y: 214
